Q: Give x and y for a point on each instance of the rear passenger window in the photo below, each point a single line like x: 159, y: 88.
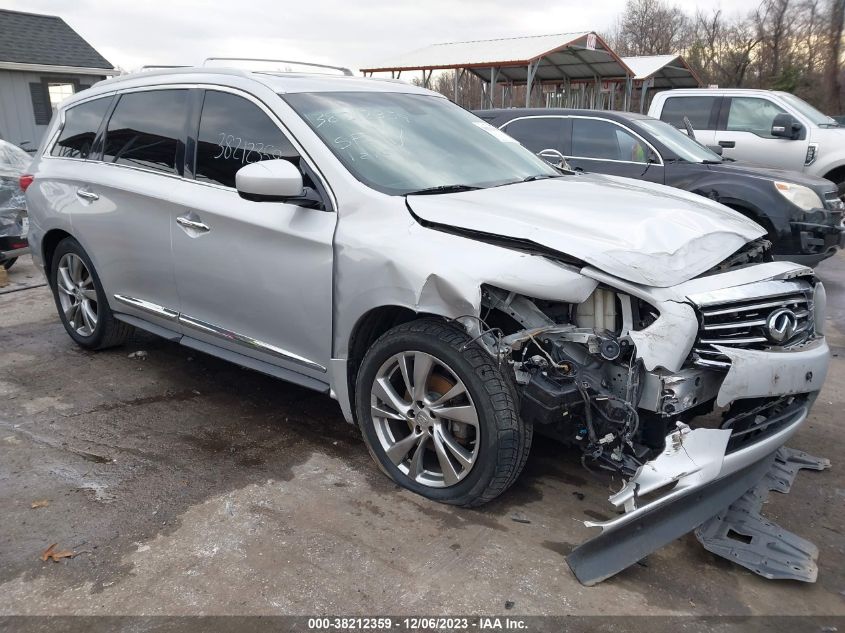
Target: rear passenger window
x: 146, y: 130
x: 235, y: 132
x: 80, y: 129
x: 538, y: 133
x: 696, y: 109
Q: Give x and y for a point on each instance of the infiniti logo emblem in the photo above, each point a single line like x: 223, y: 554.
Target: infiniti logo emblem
x: 781, y: 325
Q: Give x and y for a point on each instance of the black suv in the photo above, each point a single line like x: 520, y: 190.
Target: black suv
x: 803, y: 214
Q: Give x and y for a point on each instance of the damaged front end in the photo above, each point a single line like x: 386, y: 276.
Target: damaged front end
x: 686, y: 393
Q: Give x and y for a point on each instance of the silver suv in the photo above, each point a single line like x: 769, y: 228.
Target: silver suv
x: 452, y: 291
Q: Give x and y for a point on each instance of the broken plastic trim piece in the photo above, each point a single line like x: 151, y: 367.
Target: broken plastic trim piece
x: 743, y: 536
x: 614, y: 550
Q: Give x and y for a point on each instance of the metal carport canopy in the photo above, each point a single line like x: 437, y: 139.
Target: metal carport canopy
x: 539, y: 58
x: 664, y: 71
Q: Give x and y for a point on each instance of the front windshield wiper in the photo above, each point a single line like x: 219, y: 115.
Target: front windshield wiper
x: 540, y: 177
x: 710, y: 161
x: 441, y: 189
x: 831, y: 124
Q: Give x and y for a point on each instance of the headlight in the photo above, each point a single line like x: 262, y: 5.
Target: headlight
x: 799, y: 195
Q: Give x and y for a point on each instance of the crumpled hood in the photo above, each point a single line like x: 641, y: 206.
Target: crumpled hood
x: 644, y: 233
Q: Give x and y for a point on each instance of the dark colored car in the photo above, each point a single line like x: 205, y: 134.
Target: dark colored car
x: 802, y: 214
x: 14, y: 223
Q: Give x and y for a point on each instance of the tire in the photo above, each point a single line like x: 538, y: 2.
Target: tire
x: 841, y: 187
x: 81, y: 286
x: 484, y: 458
x: 9, y: 262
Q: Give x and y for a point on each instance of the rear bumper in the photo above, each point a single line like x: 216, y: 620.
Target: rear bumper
x: 13, y: 247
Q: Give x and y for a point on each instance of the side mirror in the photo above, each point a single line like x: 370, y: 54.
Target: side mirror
x: 785, y: 126
x: 269, y: 180
x: 716, y: 149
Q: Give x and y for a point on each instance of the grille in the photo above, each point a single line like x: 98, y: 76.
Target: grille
x: 742, y: 324
x: 833, y: 201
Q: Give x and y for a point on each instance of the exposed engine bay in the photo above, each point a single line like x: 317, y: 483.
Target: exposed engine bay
x: 583, y: 381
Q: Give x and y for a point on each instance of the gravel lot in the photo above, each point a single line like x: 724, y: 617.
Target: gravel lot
x: 186, y: 485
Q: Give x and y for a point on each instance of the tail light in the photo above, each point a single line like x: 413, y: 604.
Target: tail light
x: 25, y: 181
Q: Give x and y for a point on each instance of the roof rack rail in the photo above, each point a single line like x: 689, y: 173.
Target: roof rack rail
x: 345, y: 71
x: 158, y: 66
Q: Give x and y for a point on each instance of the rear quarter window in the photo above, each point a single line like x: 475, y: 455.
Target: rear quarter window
x: 80, y: 129
x: 697, y: 109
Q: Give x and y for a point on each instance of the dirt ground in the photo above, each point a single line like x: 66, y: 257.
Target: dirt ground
x: 186, y: 485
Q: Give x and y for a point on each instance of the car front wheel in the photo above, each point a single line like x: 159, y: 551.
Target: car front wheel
x: 439, y: 416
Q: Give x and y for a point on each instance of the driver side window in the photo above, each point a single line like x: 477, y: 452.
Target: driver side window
x: 604, y: 140
x: 234, y: 132
x: 751, y: 114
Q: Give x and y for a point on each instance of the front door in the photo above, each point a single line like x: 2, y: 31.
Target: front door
x: 253, y: 277
x: 747, y: 135
x: 605, y: 147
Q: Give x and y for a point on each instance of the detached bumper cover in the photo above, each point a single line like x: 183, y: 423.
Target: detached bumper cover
x: 694, y: 478
x: 620, y: 546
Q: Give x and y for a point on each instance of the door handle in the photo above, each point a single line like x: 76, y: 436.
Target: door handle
x: 728, y: 144
x: 188, y: 223
x: 87, y: 195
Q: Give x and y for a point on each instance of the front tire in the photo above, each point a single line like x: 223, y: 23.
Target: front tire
x: 81, y: 300
x: 439, y: 416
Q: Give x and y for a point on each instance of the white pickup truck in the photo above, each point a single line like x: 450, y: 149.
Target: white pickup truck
x: 764, y: 127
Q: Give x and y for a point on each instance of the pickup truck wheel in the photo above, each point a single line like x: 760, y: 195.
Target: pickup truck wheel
x: 81, y: 301
x: 439, y: 416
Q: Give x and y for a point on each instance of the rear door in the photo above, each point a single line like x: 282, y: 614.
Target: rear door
x: 745, y: 133
x: 253, y: 277
x: 123, y: 207
x: 701, y: 110
x: 606, y: 147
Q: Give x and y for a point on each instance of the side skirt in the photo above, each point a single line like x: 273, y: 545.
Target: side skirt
x: 287, y: 375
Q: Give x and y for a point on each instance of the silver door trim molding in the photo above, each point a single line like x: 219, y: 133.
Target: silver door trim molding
x: 148, y: 306
x: 248, y: 341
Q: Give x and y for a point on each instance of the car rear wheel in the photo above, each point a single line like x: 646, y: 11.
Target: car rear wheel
x: 81, y: 301
x: 9, y: 262
x: 438, y: 415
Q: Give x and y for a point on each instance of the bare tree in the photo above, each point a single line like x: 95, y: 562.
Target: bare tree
x: 833, y: 70
x: 650, y: 27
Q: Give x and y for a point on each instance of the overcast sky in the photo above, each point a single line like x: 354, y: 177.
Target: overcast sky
x: 353, y: 33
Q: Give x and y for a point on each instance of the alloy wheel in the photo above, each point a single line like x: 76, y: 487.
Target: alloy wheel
x: 425, y: 419
x: 77, y: 294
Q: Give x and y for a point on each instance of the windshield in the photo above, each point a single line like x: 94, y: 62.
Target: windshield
x: 816, y: 117
x: 401, y: 143
x: 678, y: 142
